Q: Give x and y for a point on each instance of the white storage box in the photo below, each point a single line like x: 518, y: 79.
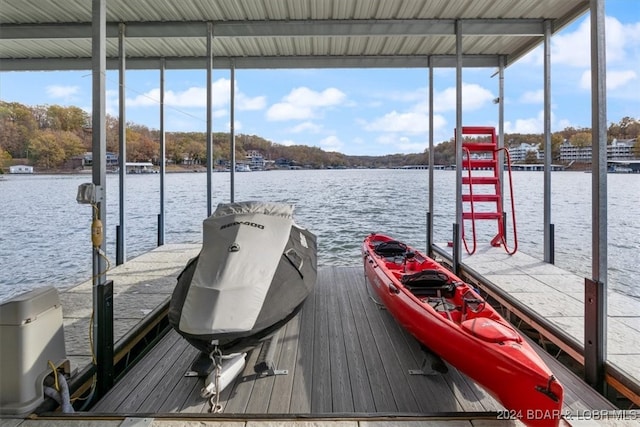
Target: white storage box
x: 31, y: 333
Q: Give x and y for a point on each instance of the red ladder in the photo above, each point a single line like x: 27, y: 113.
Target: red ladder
x: 483, y: 156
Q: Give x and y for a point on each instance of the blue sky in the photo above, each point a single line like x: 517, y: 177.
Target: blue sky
x: 369, y: 111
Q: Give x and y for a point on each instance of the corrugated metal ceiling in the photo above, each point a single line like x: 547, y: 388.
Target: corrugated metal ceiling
x: 41, y: 34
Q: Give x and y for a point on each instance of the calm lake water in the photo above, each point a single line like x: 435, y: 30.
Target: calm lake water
x: 45, y: 234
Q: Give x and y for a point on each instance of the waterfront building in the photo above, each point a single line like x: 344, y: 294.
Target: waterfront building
x: 255, y: 160
x: 112, y: 159
x: 617, y: 150
x: 520, y: 153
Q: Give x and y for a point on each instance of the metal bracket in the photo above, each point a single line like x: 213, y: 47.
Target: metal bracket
x: 273, y: 372
x: 432, y: 372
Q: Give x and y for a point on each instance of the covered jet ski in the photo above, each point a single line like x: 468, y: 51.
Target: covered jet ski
x: 254, y: 271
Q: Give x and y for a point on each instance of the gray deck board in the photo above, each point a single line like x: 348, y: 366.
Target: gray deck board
x: 372, y: 361
x: 344, y: 354
x: 360, y: 386
x: 303, y: 376
x: 321, y: 393
x: 283, y: 384
x: 341, y: 390
x: 124, y: 396
x: 390, y: 365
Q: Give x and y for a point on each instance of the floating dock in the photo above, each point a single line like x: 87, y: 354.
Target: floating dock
x: 345, y: 358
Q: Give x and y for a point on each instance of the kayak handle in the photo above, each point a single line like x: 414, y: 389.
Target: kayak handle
x: 393, y: 289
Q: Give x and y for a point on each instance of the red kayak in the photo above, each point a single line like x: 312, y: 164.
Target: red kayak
x: 454, y: 322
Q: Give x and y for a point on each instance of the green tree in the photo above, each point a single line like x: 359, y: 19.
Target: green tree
x: 141, y: 146
x: 626, y: 128
x: 445, y: 153
x: 67, y: 118
x: 196, y: 151
x: 174, y: 150
x: 71, y: 143
x: 17, y: 126
x: 581, y: 139
x: 5, y: 158
x: 112, y: 125
x: 531, y: 157
x: 556, y: 143
x: 46, y: 150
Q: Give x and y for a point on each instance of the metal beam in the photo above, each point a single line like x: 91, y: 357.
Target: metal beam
x: 252, y: 62
x: 279, y: 28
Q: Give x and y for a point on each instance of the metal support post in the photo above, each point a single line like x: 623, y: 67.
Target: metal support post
x: 552, y: 245
x: 595, y: 300
x: 429, y: 235
x: 119, y: 245
x: 104, y: 343
x: 456, y: 249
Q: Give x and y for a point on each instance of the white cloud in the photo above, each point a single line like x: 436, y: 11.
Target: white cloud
x: 574, y: 48
x: 416, y: 120
x: 534, y: 124
x: 244, y: 103
x: 474, y: 97
x: 63, y: 92
x: 410, y: 122
x: 526, y: 125
x: 401, y: 144
x: 418, y: 95
x: 615, y: 79
x: 331, y: 143
x: 530, y: 125
x: 303, y: 103
x: 287, y: 142
x: 306, y: 127
x: 196, y: 97
x: 285, y: 111
x: 533, y: 97
x: 219, y: 113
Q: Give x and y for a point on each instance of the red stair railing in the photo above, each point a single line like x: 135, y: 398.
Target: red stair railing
x: 496, y: 197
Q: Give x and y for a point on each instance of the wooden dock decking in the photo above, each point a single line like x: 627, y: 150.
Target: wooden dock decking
x: 344, y: 355
x: 141, y: 286
x: 347, y: 358
x: 557, y: 296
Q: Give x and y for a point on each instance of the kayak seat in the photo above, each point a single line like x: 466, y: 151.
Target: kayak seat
x: 390, y: 248
x: 429, y: 283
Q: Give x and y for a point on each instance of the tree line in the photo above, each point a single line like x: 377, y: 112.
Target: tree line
x: 50, y: 136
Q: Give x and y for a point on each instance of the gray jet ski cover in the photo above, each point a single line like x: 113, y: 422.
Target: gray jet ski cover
x: 244, y: 246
